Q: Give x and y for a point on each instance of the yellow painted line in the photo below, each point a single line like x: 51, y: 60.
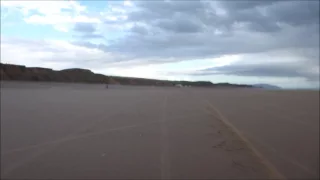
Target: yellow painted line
x: 273, y: 172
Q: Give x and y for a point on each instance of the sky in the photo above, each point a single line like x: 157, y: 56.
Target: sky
x: 243, y: 42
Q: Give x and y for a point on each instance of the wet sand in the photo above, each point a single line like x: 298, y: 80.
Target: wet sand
x: 283, y: 125
x: 62, y: 131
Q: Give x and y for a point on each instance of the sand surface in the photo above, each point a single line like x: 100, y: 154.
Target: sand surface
x: 79, y: 131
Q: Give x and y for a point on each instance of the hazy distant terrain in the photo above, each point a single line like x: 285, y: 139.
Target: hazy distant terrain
x: 67, y: 130
x: 10, y: 72
x: 266, y: 86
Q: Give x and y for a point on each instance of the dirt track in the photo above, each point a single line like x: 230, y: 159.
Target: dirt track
x: 85, y: 131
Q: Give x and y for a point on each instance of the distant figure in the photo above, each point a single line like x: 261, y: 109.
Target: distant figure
x: 107, y: 83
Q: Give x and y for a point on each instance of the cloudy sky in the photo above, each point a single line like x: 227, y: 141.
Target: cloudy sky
x: 246, y: 42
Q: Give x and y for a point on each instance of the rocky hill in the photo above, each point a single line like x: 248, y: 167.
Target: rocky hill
x: 12, y: 72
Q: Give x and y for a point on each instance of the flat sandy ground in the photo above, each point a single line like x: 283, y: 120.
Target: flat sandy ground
x: 63, y: 131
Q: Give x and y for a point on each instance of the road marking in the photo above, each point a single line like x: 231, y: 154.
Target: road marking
x: 273, y: 172
x: 165, y: 163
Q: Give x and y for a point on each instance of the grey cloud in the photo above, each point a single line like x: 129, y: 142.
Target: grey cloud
x: 253, y: 19
x: 206, y: 44
x: 151, y: 11
x: 84, y: 27
x: 92, y: 36
x: 188, y: 30
x: 169, y: 20
x: 86, y: 31
x: 89, y: 45
x: 179, y: 26
x: 264, y: 27
x: 246, y: 4
x: 139, y: 29
x: 89, y: 36
x: 263, y: 70
x: 168, y: 8
x: 296, y: 13
x: 288, y: 12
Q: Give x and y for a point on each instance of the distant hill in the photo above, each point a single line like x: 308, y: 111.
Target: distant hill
x: 266, y: 86
x: 11, y: 72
